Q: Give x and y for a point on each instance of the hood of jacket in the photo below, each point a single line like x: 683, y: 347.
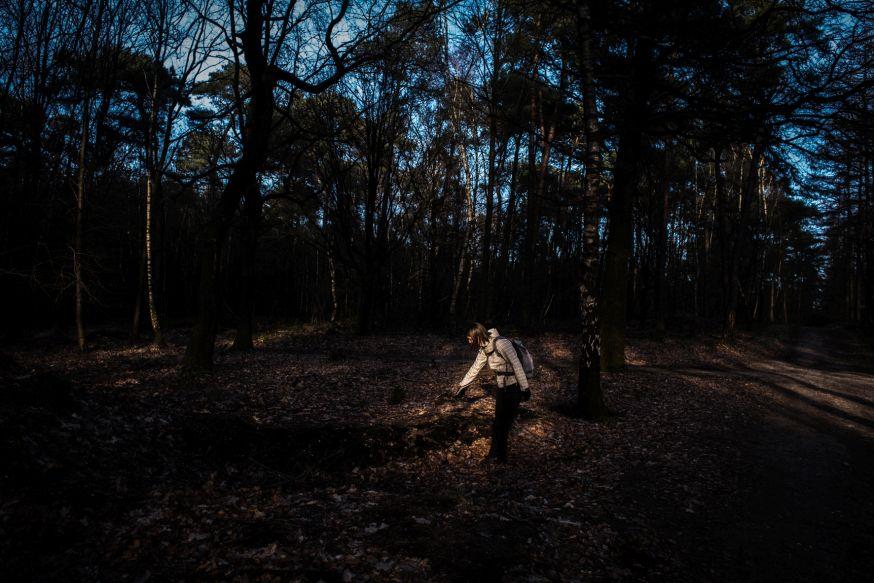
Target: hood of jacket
x: 493, y: 333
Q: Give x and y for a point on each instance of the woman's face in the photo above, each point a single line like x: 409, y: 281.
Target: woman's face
x: 471, y: 342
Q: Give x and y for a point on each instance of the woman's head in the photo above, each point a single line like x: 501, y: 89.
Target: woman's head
x: 477, y: 336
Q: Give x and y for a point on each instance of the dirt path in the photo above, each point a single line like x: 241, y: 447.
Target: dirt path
x: 805, y: 504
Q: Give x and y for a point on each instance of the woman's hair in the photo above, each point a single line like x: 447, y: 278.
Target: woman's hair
x: 479, y: 334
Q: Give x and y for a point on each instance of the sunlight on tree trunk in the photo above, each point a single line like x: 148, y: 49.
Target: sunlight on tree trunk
x: 590, y: 399
x: 158, y: 338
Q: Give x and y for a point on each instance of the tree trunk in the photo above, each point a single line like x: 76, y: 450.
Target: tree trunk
x: 661, y: 295
x: 211, y: 245
x: 332, y: 270
x: 151, y: 190
x: 469, y: 185
x: 199, y: 354
x: 705, y: 234
x: 619, y: 239
x: 249, y: 235
x: 590, y: 398
x: 508, y: 223
x: 365, y: 300
x: 138, y: 302
x: 437, y: 233
x: 532, y: 218
x: 486, y: 288
x: 80, y: 217
x: 722, y: 210
x: 368, y: 273
x: 868, y: 222
x: 242, y: 185
x: 485, y: 265
x: 548, y: 133
x: 738, y: 246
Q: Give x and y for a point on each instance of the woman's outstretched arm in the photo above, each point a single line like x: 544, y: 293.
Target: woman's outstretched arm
x: 477, y: 366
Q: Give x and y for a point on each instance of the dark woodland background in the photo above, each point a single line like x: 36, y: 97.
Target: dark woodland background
x: 431, y: 167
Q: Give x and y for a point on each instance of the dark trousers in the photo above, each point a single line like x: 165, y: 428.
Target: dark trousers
x: 507, y: 401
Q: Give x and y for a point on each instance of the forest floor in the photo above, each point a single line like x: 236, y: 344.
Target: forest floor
x: 340, y: 458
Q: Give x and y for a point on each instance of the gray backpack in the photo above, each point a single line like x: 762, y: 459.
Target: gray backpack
x: 522, y: 354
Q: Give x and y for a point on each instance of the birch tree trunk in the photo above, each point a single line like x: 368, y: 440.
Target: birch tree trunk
x: 590, y: 398
x: 504, y: 264
x: 332, y: 270
x: 158, y: 338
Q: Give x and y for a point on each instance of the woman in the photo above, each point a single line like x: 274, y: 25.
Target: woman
x: 512, y: 387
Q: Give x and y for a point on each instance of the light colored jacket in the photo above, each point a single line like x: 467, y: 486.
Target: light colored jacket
x: 501, y: 357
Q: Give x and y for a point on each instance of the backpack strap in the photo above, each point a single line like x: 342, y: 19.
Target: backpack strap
x: 495, y: 348
x: 506, y: 362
